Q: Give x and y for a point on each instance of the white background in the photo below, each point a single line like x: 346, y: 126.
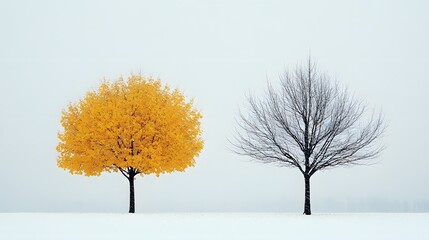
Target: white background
x: 53, y: 52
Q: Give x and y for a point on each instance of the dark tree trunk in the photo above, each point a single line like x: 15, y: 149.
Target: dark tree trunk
x: 131, y: 180
x: 307, y: 205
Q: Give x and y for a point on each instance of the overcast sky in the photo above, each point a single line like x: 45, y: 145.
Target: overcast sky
x: 53, y: 52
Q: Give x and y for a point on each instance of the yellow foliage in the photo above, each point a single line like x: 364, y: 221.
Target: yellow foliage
x: 136, y: 124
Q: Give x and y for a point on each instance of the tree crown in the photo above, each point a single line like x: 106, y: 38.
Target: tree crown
x: 138, y: 124
x: 308, y: 123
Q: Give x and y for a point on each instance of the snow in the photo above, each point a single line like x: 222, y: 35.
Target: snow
x: 191, y: 226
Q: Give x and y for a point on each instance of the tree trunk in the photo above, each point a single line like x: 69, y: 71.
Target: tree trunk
x: 307, y: 205
x: 131, y: 180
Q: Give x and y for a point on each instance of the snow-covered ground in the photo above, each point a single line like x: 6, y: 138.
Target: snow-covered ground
x: 217, y: 226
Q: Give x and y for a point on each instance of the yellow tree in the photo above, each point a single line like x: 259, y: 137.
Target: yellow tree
x: 135, y: 127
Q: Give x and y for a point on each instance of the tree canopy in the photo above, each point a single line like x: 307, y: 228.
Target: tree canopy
x: 138, y: 126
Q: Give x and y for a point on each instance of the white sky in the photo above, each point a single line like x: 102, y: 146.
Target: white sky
x: 53, y: 52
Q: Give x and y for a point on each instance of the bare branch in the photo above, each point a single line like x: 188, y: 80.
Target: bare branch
x: 308, y: 123
x: 124, y: 172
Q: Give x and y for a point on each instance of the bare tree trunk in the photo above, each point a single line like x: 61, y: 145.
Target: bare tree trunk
x: 307, y: 205
x: 132, y: 204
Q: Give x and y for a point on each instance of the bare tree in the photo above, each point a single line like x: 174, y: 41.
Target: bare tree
x: 308, y: 123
